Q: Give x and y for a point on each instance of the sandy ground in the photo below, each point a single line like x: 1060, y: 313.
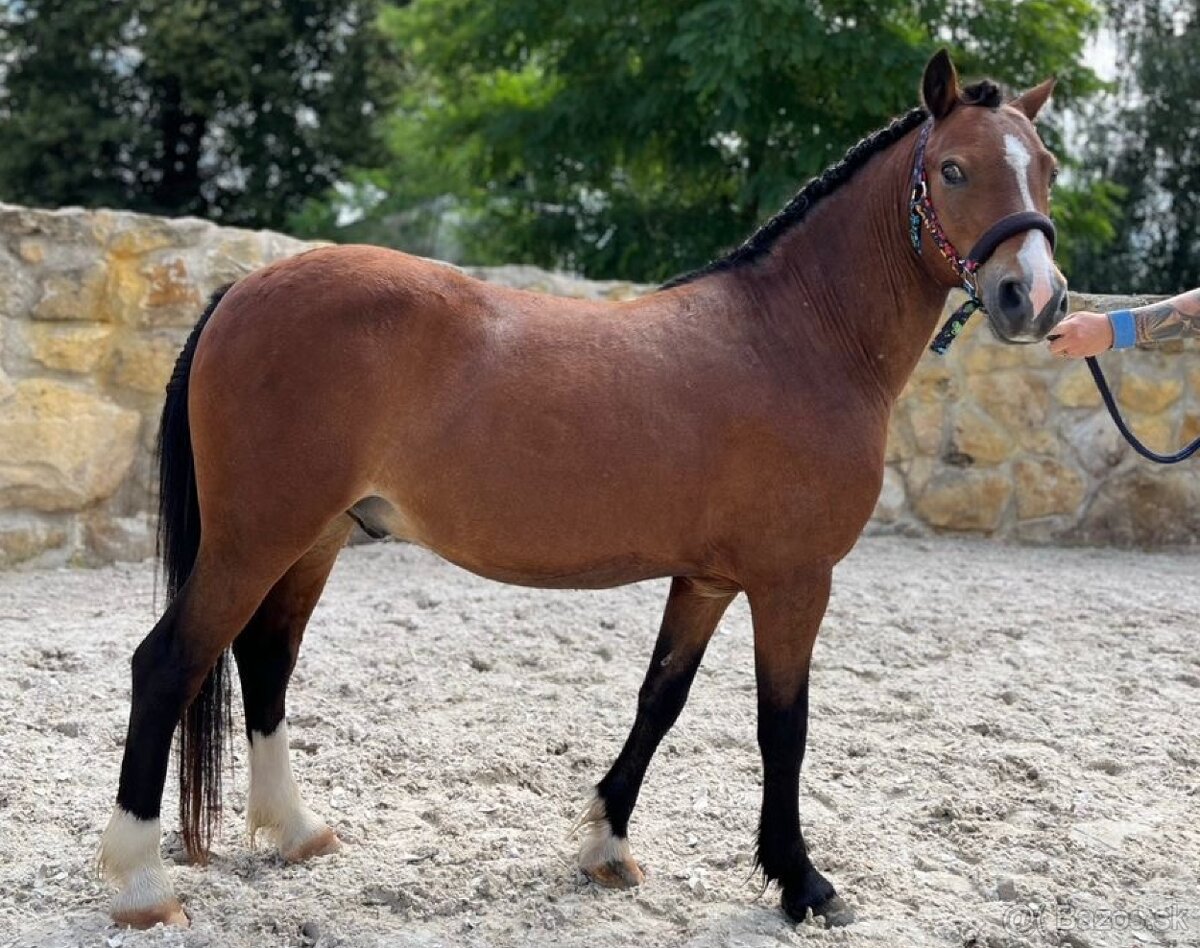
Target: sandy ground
x: 1007, y: 758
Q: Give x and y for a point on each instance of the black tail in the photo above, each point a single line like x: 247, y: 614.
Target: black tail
x: 206, y: 721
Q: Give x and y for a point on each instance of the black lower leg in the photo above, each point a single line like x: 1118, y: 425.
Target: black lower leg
x: 782, y: 854
x: 267, y: 648
x: 266, y: 654
x: 660, y: 700
x: 691, y: 616
x: 162, y: 688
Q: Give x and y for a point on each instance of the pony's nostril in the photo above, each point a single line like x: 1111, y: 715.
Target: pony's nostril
x: 1012, y: 298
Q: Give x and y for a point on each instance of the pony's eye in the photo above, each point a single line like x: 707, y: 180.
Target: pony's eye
x: 1053, y: 176
x: 952, y: 173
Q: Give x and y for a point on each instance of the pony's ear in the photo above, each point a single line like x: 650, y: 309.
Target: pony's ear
x: 1031, y: 101
x: 939, y: 88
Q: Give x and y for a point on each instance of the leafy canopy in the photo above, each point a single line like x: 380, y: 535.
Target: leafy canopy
x: 637, y: 138
x: 1144, y: 139
x: 231, y: 110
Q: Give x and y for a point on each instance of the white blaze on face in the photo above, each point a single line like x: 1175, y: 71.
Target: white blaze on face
x: 1035, y: 256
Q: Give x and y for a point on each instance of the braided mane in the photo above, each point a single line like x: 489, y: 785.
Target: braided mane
x: 984, y: 94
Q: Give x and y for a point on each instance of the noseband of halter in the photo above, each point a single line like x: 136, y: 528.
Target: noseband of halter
x: 921, y: 214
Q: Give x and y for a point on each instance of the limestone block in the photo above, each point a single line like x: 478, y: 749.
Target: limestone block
x: 1189, y: 429
x: 112, y: 539
x: 988, y: 354
x: 900, y: 446
x: 1097, y: 443
x: 72, y: 295
x: 1076, y: 389
x: 1157, y: 432
x: 892, y: 498
x: 1018, y: 400
x: 231, y: 258
x: 965, y: 499
x: 979, y: 440
x: 68, y: 348
x: 1193, y: 377
x: 927, y: 421
x: 1148, y: 507
x: 1041, y: 440
x: 1145, y: 393
x: 154, y: 292
x: 144, y: 361
x: 24, y: 537
x: 31, y: 250
x: 1046, y: 486
x: 18, y: 287
x: 917, y: 473
x: 61, y: 448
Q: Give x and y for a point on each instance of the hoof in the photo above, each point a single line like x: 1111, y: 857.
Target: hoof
x: 833, y: 911
x: 815, y: 897
x: 168, y: 913
x: 322, y: 843
x: 616, y: 874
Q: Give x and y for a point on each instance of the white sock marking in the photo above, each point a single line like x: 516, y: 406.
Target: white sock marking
x: 131, y: 857
x: 275, y: 805
x: 600, y: 847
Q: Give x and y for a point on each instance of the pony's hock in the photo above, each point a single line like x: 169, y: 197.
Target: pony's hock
x: 727, y: 431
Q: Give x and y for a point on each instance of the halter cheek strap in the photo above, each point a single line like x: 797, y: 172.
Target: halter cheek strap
x: 923, y: 217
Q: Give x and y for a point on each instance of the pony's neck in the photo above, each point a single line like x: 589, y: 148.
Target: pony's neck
x: 844, y: 284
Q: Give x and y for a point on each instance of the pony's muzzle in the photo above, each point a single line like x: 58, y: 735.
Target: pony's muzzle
x: 1023, y: 312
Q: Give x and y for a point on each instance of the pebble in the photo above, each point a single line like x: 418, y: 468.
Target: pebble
x: 310, y: 932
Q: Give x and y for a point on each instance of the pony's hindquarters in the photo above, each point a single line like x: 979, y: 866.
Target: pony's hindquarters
x: 220, y: 566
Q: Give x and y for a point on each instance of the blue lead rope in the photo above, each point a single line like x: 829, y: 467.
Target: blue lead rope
x: 1111, y: 404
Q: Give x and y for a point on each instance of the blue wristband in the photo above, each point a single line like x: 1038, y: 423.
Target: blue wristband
x: 1124, y: 328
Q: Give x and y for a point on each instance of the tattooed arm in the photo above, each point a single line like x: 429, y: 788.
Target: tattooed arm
x: 1176, y: 318
x: 1088, y: 334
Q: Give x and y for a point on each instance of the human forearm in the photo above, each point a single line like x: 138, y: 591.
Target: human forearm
x: 1176, y: 318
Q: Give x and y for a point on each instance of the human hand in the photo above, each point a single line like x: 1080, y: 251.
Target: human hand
x: 1081, y: 334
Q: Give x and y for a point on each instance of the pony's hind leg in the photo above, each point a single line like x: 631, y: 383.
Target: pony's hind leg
x: 169, y: 667
x: 693, y: 610
x: 266, y: 653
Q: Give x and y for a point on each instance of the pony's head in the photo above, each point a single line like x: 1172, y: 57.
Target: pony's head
x: 984, y: 164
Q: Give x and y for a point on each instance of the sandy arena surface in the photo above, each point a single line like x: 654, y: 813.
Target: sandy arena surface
x: 1005, y: 759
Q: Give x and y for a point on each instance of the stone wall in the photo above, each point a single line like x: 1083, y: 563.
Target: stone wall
x: 95, y: 305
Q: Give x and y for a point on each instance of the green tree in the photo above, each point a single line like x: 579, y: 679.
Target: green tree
x: 1144, y: 138
x: 637, y: 138
x: 236, y: 110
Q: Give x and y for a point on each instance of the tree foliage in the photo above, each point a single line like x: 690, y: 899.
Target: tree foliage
x: 637, y: 138
x: 235, y: 110
x: 1145, y: 139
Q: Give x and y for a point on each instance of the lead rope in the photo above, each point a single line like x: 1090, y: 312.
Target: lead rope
x: 1111, y: 404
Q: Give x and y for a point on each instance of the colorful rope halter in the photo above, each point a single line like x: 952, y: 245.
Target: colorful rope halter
x: 921, y: 215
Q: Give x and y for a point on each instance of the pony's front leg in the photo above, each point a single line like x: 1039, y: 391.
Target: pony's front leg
x: 787, y: 616
x: 694, y: 608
